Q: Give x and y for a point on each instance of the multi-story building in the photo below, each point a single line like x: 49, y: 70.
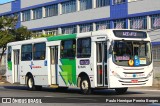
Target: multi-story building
x: 76, y: 16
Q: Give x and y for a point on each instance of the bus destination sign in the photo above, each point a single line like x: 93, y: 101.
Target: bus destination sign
x: 129, y: 34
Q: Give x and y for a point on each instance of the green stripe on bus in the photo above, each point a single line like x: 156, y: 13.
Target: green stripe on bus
x: 9, y: 65
x: 62, y: 37
x: 68, y: 72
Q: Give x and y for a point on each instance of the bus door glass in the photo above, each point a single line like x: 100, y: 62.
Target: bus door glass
x: 101, y: 63
x: 16, y: 66
x: 54, y: 63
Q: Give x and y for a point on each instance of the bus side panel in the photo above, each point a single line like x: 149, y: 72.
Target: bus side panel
x: 67, y: 72
x: 88, y: 66
x: 38, y: 69
x: 9, y: 72
x: 9, y: 65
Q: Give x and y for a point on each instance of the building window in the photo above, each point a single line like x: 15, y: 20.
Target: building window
x: 84, y: 47
x: 68, y: 7
x: 102, y: 25
x: 86, y: 27
x: 120, y: 24
x: 68, y: 48
x: 51, y: 31
x: 51, y: 10
x: 39, y: 51
x: 118, y: 1
x: 85, y: 4
x: 138, y: 23
x: 26, y: 52
x: 37, y: 13
x: 101, y: 3
x: 155, y: 21
x: 26, y: 16
x: 131, y: 0
x: 37, y: 33
x: 156, y: 52
x: 69, y: 29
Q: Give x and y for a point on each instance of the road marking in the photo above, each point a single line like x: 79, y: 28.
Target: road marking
x: 49, y: 96
x: 145, y: 90
x: 82, y: 99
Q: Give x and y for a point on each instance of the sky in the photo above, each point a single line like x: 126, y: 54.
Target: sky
x: 4, y: 1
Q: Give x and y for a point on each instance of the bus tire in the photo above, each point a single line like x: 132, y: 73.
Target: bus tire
x: 30, y: 83
x: 85, y: 86
x: 121, y: 90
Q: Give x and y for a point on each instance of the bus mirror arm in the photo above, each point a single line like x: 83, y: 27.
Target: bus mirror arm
x: 110, y: 49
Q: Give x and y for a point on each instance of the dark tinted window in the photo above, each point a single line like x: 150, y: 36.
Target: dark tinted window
x: 39, y: 51
x: 9, y: 53
x: 26, y: 52
x: 84, y: 47
x: 68, y: 48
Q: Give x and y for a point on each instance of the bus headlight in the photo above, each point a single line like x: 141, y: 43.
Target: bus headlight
x: 150, y: 74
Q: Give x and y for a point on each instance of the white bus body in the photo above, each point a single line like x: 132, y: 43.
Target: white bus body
x: 86, y: 60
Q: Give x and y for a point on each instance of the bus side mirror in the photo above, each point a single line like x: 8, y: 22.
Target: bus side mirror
x: 110, y: 49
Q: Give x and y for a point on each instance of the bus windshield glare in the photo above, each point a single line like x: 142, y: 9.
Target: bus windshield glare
x: 132, y: 53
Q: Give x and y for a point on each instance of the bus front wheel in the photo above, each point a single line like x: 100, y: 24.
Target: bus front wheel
x: 30, y: 83
x: 85, y: 86
x: 121, y: 90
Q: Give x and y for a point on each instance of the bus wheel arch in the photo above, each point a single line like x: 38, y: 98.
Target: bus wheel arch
x: 30, y: 81
x: 27, y: 76
x: 84, y: 83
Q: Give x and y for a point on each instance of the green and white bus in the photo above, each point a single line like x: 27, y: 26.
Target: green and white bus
x: 105, y: 59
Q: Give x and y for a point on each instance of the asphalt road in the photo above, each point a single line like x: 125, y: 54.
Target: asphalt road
x: 72, y: 97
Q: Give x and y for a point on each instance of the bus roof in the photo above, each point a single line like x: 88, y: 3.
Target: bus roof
x: 106, y: 32
x: 38, y: 40
x: 109, y: 33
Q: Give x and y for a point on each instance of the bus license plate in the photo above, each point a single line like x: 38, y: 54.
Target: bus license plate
x: 134, y: 81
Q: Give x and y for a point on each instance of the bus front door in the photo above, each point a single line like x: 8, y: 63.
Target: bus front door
x: 54, y: 63
x: 101, y: 54
x: 16, y: 66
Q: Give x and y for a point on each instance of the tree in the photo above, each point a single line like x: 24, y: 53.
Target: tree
x: 9, y: 33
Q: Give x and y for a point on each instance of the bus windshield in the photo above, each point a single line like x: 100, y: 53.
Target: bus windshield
x: 136, y: 52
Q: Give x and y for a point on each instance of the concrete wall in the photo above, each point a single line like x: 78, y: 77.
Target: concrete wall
x: 27, y: 3
x: 156, y: 70
x: 5, y: 7
x: 155, y: 35
x: 69, y: 18
x: 143, y: 6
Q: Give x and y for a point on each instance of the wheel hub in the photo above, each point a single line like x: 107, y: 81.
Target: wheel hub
x: 85, y: 85
x: 30, y: 83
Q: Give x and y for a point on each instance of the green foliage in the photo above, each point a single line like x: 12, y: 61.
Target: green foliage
x: 43, y: 35
x: 9, y: 33
x: 22, y: 33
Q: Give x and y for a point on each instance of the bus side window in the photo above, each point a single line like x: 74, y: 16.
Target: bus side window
x: 39, y: 51
x: 68, y: 48
x: 9, y: 53
x: 83, y: 47
x: 26, y: 52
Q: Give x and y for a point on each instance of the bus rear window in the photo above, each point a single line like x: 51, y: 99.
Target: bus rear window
x: 9, y: 53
